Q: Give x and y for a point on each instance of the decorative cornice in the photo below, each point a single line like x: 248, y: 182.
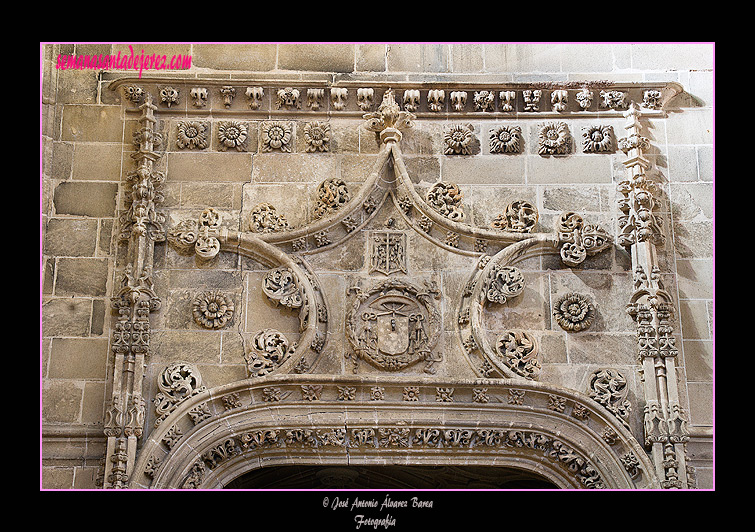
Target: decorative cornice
x: 425, y: 99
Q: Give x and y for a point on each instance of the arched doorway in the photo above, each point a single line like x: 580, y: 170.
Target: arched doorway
x: 204, y: 444
x: 390, y: 477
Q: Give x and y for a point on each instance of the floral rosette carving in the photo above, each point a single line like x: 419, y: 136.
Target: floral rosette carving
x: 332, y: 194
x: 518, y: 217
x: 317, y: 136
x: 446, y: 199
x: 506, y: 139
x: 519, y: 351
x: 458, y: 139
x: 191, y: 135
x: 598, y: 139
x: 554, y: 139
x: 280, y: 285
x: 213, y: 310
x: 270, y: 348
x: 265, y: 219
x: 276, y: 136
x: 232, y: 134
x: 504, y: 282
x: 574, y: 312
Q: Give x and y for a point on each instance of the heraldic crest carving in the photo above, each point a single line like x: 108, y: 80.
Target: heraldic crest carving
x: 394, y: 325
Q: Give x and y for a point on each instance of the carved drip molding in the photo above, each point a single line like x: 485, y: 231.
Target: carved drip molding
x: 583, y: 444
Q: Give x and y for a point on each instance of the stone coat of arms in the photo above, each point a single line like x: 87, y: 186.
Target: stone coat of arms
x: 394, y: 325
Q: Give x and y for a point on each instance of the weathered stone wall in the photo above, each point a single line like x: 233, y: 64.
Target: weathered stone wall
x: 87, y: 143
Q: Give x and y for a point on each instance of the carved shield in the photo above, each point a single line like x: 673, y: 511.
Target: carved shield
x: 393, y: 333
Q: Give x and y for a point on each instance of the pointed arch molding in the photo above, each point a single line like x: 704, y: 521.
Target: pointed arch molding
x: 309, y: 419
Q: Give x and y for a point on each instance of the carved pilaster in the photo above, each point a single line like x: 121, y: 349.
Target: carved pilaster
x: 141, y: 226
x: 652, y: 308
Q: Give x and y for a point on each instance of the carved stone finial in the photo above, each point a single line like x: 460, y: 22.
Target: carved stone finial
x: 389, y: 119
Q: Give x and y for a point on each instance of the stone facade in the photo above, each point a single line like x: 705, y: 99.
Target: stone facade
x: 468, y: 254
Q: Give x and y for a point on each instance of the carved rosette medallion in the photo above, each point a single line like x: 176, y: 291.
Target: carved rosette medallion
x: 394, y: 325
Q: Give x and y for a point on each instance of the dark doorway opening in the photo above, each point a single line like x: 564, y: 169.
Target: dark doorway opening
x: 390, y: 477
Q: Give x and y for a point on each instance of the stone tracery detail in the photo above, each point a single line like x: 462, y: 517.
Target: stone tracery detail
x: 517, y: 348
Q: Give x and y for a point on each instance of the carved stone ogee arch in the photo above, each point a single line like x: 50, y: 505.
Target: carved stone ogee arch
x: 557, y: 433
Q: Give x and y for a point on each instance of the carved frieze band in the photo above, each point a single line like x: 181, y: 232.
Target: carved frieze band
x: 513, y: 98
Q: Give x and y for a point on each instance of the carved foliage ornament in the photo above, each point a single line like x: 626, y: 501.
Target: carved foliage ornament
x: 232, y: 134
x: 202, y: 235
x: 332, y: 194
x: 506, y: 139
x: 191, y: 135
x: 280, y: 285
x: 394, y: 325
x: 504, y: 282
x: 270, y: 348
x: 458, y: 139
x: 519, y: 217
x: 519, y: 351
x: 177, y: 382
x: 276, y: 135
x: 579, y: 239
x: 265, y: 219
x: 597, y: 139
x: 446, y: 199
x: 609, y: 388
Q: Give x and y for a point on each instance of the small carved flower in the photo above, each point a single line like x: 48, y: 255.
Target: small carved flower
x: 574, y: 312
x: 505, y: 139
x: 232, y: 135
x: 317, y: 136
x: 276, y: 136
x: 192, y: 135
x: 597, y: 138
x: 212, y: 310
x: 554, y: 139
x: 411, y: 393
x: 458, y: 139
